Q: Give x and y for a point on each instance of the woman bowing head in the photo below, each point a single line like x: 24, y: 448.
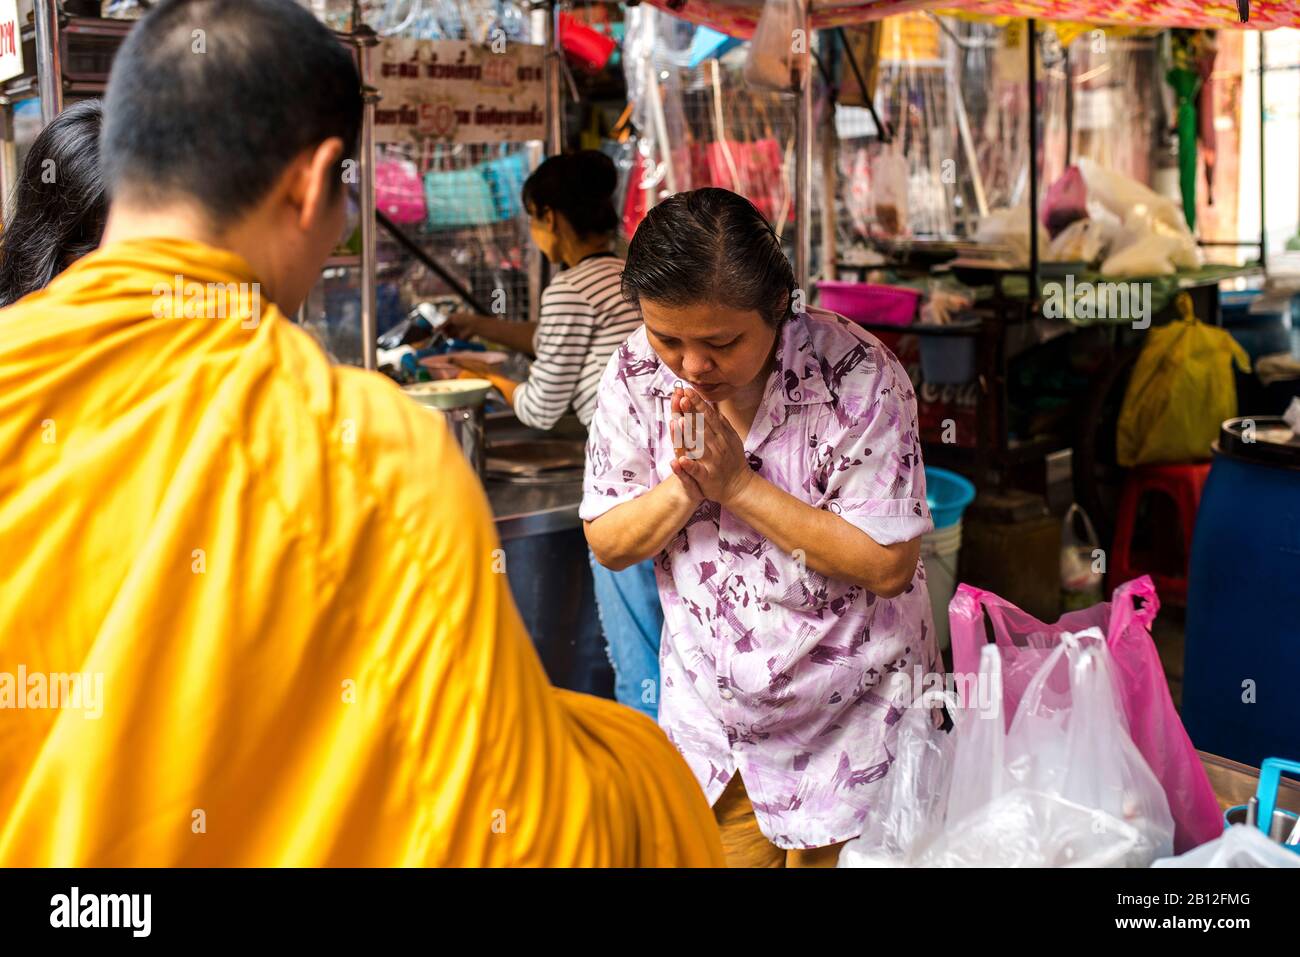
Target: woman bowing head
x: 767, y: 458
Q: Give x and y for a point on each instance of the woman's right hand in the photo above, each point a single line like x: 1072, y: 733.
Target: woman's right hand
x: 462, y: 325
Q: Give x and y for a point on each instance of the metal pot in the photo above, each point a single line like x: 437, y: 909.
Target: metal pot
x: 460, y: 402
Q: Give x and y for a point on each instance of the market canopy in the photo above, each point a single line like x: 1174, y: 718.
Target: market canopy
x: 739, y: 17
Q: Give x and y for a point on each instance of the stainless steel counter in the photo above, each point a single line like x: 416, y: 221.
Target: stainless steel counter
x: 524, y: 510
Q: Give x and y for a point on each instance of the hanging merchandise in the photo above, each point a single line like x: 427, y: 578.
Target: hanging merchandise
x: 1181, y: 392
x: 585, y: 46
x: 399, y: 194
x: 779, y: 42
x: 889, y: 175
x: 1024, y: 643
x: 505, y: 177
x: 458, y: 197
x: 1189, y: 52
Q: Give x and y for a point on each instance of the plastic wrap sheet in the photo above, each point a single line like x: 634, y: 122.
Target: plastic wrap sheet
x: 701, y: 125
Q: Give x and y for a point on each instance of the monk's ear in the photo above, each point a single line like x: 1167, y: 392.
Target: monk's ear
x: 318, y: 181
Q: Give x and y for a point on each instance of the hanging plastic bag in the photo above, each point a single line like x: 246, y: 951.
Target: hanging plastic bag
x: 910, y: 809
x: 1181, y: 392
x: 1024, y: 643
x: 1063, y: 785
x: 1080, y: 578
x: 1239, y: 846
x: 890, y: 178
x: 774, y: 50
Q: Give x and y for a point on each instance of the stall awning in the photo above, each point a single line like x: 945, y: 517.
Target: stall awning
x: 738, y: 17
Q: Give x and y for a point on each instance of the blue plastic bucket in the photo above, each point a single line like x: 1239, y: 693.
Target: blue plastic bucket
x: 947, y: 494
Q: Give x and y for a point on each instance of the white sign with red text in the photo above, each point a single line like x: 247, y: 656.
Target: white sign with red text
x: 11, y: 41
x: 455, y: 91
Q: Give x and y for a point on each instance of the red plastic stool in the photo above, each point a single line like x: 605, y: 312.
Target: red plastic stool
x: 1180, y: 483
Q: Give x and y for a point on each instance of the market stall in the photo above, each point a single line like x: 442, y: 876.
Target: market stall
x: 440, y: 225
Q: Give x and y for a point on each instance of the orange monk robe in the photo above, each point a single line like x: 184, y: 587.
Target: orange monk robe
x: 286, y: 582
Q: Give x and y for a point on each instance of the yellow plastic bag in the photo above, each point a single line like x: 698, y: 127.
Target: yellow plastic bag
x: 1181, y: 392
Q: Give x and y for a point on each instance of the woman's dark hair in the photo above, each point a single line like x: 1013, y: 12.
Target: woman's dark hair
x: 580, y: 186
x: 709, y: 245
x: 58, y: 206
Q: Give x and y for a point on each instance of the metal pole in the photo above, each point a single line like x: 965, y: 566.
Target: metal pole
x: 554, y: 102
x: 1032, y: 45
x: 1263, y: 234
x: 366, y: 41
x: 49, y: 66
x: 803, y: 152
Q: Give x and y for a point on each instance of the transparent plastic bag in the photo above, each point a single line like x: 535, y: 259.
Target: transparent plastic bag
x: 773, y: 63
x: 1240, y: 846
x: 1080, y: 578
x: 1023, y: 644
x: 1063, y: 785
x: 912, y: 805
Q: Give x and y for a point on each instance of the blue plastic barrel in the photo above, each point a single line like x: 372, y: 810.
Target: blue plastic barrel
x: 1241, y: 697
x: 947, y: 494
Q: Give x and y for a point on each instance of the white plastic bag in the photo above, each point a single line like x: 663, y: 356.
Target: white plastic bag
x: 1010, y: 228
x: 1081, y: 241
x: 1155, y: 240
x: 911, y: 805
x: 1063, y: 785
x: 1240, y: 846
x: 772, y: 61
x: 1151, y: 255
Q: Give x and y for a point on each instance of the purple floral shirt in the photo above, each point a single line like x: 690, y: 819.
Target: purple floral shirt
x: 767, y: 667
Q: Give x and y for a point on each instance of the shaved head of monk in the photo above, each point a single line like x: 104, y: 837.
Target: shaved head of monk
x: 233, y: 122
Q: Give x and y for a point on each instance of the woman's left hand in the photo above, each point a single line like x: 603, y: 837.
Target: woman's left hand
x: 711, y: 454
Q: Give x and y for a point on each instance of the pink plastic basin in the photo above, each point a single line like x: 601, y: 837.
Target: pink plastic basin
x: 869, y: 302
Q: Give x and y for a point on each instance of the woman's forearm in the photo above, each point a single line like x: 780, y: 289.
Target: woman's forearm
x: 829, y: 544
x: 640, y: 529
x: 517, y: 336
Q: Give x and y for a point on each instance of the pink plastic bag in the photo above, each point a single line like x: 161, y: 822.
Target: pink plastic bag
x: 1065, y: 202
x: 1025, y: 642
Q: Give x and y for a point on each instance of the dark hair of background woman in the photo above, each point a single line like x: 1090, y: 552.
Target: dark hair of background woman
x: 709, y: 246
x: 580, y: 186
x: 58, y: 208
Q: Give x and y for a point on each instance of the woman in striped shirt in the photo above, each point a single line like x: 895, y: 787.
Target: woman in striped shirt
x: 583, y: 319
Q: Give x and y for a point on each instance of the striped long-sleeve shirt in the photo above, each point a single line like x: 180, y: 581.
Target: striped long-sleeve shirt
x: 583, y: 319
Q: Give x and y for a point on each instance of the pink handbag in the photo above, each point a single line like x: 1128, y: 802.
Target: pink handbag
x: 1025, y: 642
x: 399, y: 192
